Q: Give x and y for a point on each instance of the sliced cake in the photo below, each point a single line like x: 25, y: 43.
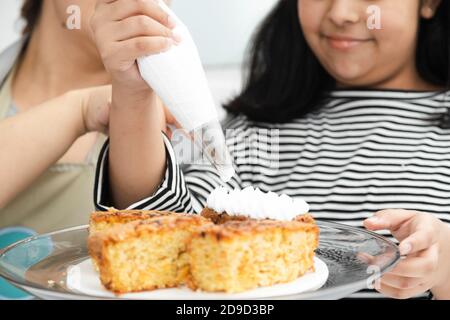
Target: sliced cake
x: 145, y: 255
x: 241, y: 255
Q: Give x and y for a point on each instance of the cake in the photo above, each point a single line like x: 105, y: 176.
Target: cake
x: 259, y: 239
x: 242, y: 255
x: 145, y: 255
x: 241, y: 240
x: 104, y: 220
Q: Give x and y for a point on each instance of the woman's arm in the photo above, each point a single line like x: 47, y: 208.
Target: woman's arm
x: 34, y: 140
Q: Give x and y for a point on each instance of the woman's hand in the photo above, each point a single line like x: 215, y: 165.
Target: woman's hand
x: 125, y: 30
x: 94, y: 104
x: 425, y: 247
x: 47, y: 132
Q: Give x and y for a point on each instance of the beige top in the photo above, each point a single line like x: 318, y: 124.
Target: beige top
x: 62, y: 197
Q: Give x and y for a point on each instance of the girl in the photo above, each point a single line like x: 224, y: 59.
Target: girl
x: 356, y: 113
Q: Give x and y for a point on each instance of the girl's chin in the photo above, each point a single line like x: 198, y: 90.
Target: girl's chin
x: 350, y: 76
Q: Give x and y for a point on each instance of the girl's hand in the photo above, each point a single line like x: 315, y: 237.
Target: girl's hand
x: 425, y: 246
x: 125, y: 30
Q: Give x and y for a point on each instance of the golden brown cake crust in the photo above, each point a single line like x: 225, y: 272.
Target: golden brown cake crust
x: 155, y: 224
x: 114, y: 229
x: 100, y: 242
x: 233, y: 228
x: 116, y: 216
x: 100, y: 220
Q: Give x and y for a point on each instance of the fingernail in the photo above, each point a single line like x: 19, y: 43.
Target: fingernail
x: 405, y: 248
x: 177, y: 37
x: 168, y: 45
x: 171, y: 23
x: 364, y: 259
x: 374, y: 220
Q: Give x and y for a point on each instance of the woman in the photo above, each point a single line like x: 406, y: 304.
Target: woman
x: 54, y: 108
x: 359, y: 117
x: 50, y: 124
x: 49, y: 148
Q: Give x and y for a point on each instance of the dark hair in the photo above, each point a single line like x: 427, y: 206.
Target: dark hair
x: 31, y: 11
x: 285, y: 80
x: 433, y: 51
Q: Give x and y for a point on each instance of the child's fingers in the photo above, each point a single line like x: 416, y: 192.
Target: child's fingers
x: 390, y: 219
x: 401, y: 293
x: 418, y: 266
x: 400, y: 282
x: 423, y: 233
x: 422, y: 238
x: 103, y: 117
x: 102, y: 3
x: 140, y: 26
x: 129, y: 50
x: 121, y: 9
x: 170, y: 119
x: 368, y: 259
x: 121, y: 56
x: 168, y: 131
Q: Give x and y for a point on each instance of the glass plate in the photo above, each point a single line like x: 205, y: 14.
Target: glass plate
x: 354, y: 257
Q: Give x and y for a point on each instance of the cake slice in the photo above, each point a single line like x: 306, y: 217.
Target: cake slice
x: 243, y: 239
x: 240, y: 255
x: 105, y: 220
x: 145, y: 255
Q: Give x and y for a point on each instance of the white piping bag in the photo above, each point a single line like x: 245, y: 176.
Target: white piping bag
x: 178, y: 78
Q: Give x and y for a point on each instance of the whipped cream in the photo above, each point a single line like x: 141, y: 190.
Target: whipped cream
x: 255, y: 204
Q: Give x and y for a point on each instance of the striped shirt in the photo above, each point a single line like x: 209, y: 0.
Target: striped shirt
x: 361, y: 152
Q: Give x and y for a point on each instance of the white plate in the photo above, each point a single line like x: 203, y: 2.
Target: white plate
x: 83, y: 278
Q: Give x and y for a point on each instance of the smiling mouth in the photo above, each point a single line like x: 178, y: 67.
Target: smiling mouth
x: 344, y: 43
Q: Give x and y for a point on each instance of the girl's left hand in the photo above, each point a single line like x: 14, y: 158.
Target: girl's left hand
x: 425, y: 247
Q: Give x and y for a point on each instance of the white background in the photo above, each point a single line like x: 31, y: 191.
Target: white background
x: 9, y: 29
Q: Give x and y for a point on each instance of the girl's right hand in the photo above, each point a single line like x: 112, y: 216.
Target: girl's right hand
x: 125, y: 30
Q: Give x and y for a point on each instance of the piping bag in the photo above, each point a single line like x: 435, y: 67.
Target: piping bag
x: 178, y: 78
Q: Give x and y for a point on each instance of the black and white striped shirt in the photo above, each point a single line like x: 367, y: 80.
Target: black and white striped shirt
x: 363, y: 151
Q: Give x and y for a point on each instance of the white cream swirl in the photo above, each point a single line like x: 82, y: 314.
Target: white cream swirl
x: 254, y: 203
